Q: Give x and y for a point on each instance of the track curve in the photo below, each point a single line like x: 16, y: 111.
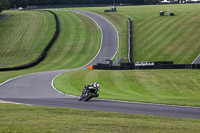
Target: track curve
x: 36, y: 89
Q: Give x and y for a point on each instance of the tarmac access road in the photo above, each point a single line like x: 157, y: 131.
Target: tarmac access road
x: 37, y: 89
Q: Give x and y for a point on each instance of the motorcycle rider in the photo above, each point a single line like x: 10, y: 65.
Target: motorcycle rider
x: 94, y: 86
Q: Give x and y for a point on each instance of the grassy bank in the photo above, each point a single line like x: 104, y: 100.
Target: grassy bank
x: 32, y: 119
x: 24, y: 35
x: 177, y: 87
x: 158, y: 38
x: 77, y: 44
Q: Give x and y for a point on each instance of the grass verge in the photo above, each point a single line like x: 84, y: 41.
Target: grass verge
x: 176, y: 87
x: 32, y: 119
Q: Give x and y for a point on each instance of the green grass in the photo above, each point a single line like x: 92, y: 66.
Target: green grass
x: 158, y: 38
x: 177, y: 87
x: 24, y: 36
x: 163, y: 86
x: 33, y: 119
x: 77, y: 44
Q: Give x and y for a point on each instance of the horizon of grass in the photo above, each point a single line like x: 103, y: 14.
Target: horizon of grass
x: 32, y: 119
x: 174, y: 87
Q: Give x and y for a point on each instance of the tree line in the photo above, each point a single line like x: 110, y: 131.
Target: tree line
x: 4, y: 4
x: 81, y: 2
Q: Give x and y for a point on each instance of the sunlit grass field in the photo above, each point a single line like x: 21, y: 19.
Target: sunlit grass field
x: 33, y: 119
x: 155, y: 38
x: 177, y: 87
x: 30, y: 32
x: 24, y: 35
x: 78, y: 42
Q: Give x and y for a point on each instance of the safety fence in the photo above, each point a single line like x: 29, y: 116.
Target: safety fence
x: 43, y: 54
x: 130, y: 43
x: 156, y: 65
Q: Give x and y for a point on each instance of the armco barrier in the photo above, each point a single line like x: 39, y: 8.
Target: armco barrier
x: 43, y: 54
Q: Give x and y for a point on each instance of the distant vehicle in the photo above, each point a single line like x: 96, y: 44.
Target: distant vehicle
x: 111, y: 9
x: 89, y: 92
x: 20, y: 8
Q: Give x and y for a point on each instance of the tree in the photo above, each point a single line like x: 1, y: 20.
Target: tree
x: 12, y: 3
x: 22, y: 3
x: 1, y: 7
x: 4, y: 4
x: 18, y: 3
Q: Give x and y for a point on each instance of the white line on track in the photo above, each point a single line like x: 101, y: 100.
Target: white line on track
x: 96, y: 54
x: 14, y: 78
x: 1, y: 101
x: 8, y: 102
x: 112, y: 58
x: 196, y: 59
x: 101, y: 41
x: 58, y: 90
x: 113, y: 27
x: 150, y: 103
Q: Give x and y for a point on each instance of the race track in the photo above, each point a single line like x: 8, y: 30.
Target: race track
x: 36, y: 89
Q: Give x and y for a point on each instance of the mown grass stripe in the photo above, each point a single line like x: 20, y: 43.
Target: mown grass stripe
x: 173, y: 39
x: 77, y: 44
x: 20, y: 46
x: 51, y: 119
x: 145, y: 33
x: 177, y: 87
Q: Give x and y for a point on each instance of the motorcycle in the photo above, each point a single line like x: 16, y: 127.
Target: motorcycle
x: 89, y: 93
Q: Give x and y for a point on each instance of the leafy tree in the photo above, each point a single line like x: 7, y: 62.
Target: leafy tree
x: 18, y: 3
x: 12, y: 3
x: 1, y: 7
x: 22, y: 3
x: 4, y: 4
x: 81, y: 2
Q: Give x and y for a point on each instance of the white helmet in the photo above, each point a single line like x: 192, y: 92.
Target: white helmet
x: 96, y: 85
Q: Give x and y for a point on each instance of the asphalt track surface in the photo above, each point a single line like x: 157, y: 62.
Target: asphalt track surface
x: 4, y: 16
x: 197, y: 60
x: 37, y: 89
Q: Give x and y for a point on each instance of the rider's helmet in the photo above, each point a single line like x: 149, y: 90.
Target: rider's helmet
x: 96, y: 85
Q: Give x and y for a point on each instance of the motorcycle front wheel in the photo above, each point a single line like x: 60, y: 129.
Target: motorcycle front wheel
x: 88, y: 96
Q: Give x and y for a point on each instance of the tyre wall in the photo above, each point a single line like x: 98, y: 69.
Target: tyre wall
x: 131, y: 66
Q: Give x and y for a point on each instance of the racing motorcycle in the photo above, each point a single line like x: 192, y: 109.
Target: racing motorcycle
x: 89, y: 92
